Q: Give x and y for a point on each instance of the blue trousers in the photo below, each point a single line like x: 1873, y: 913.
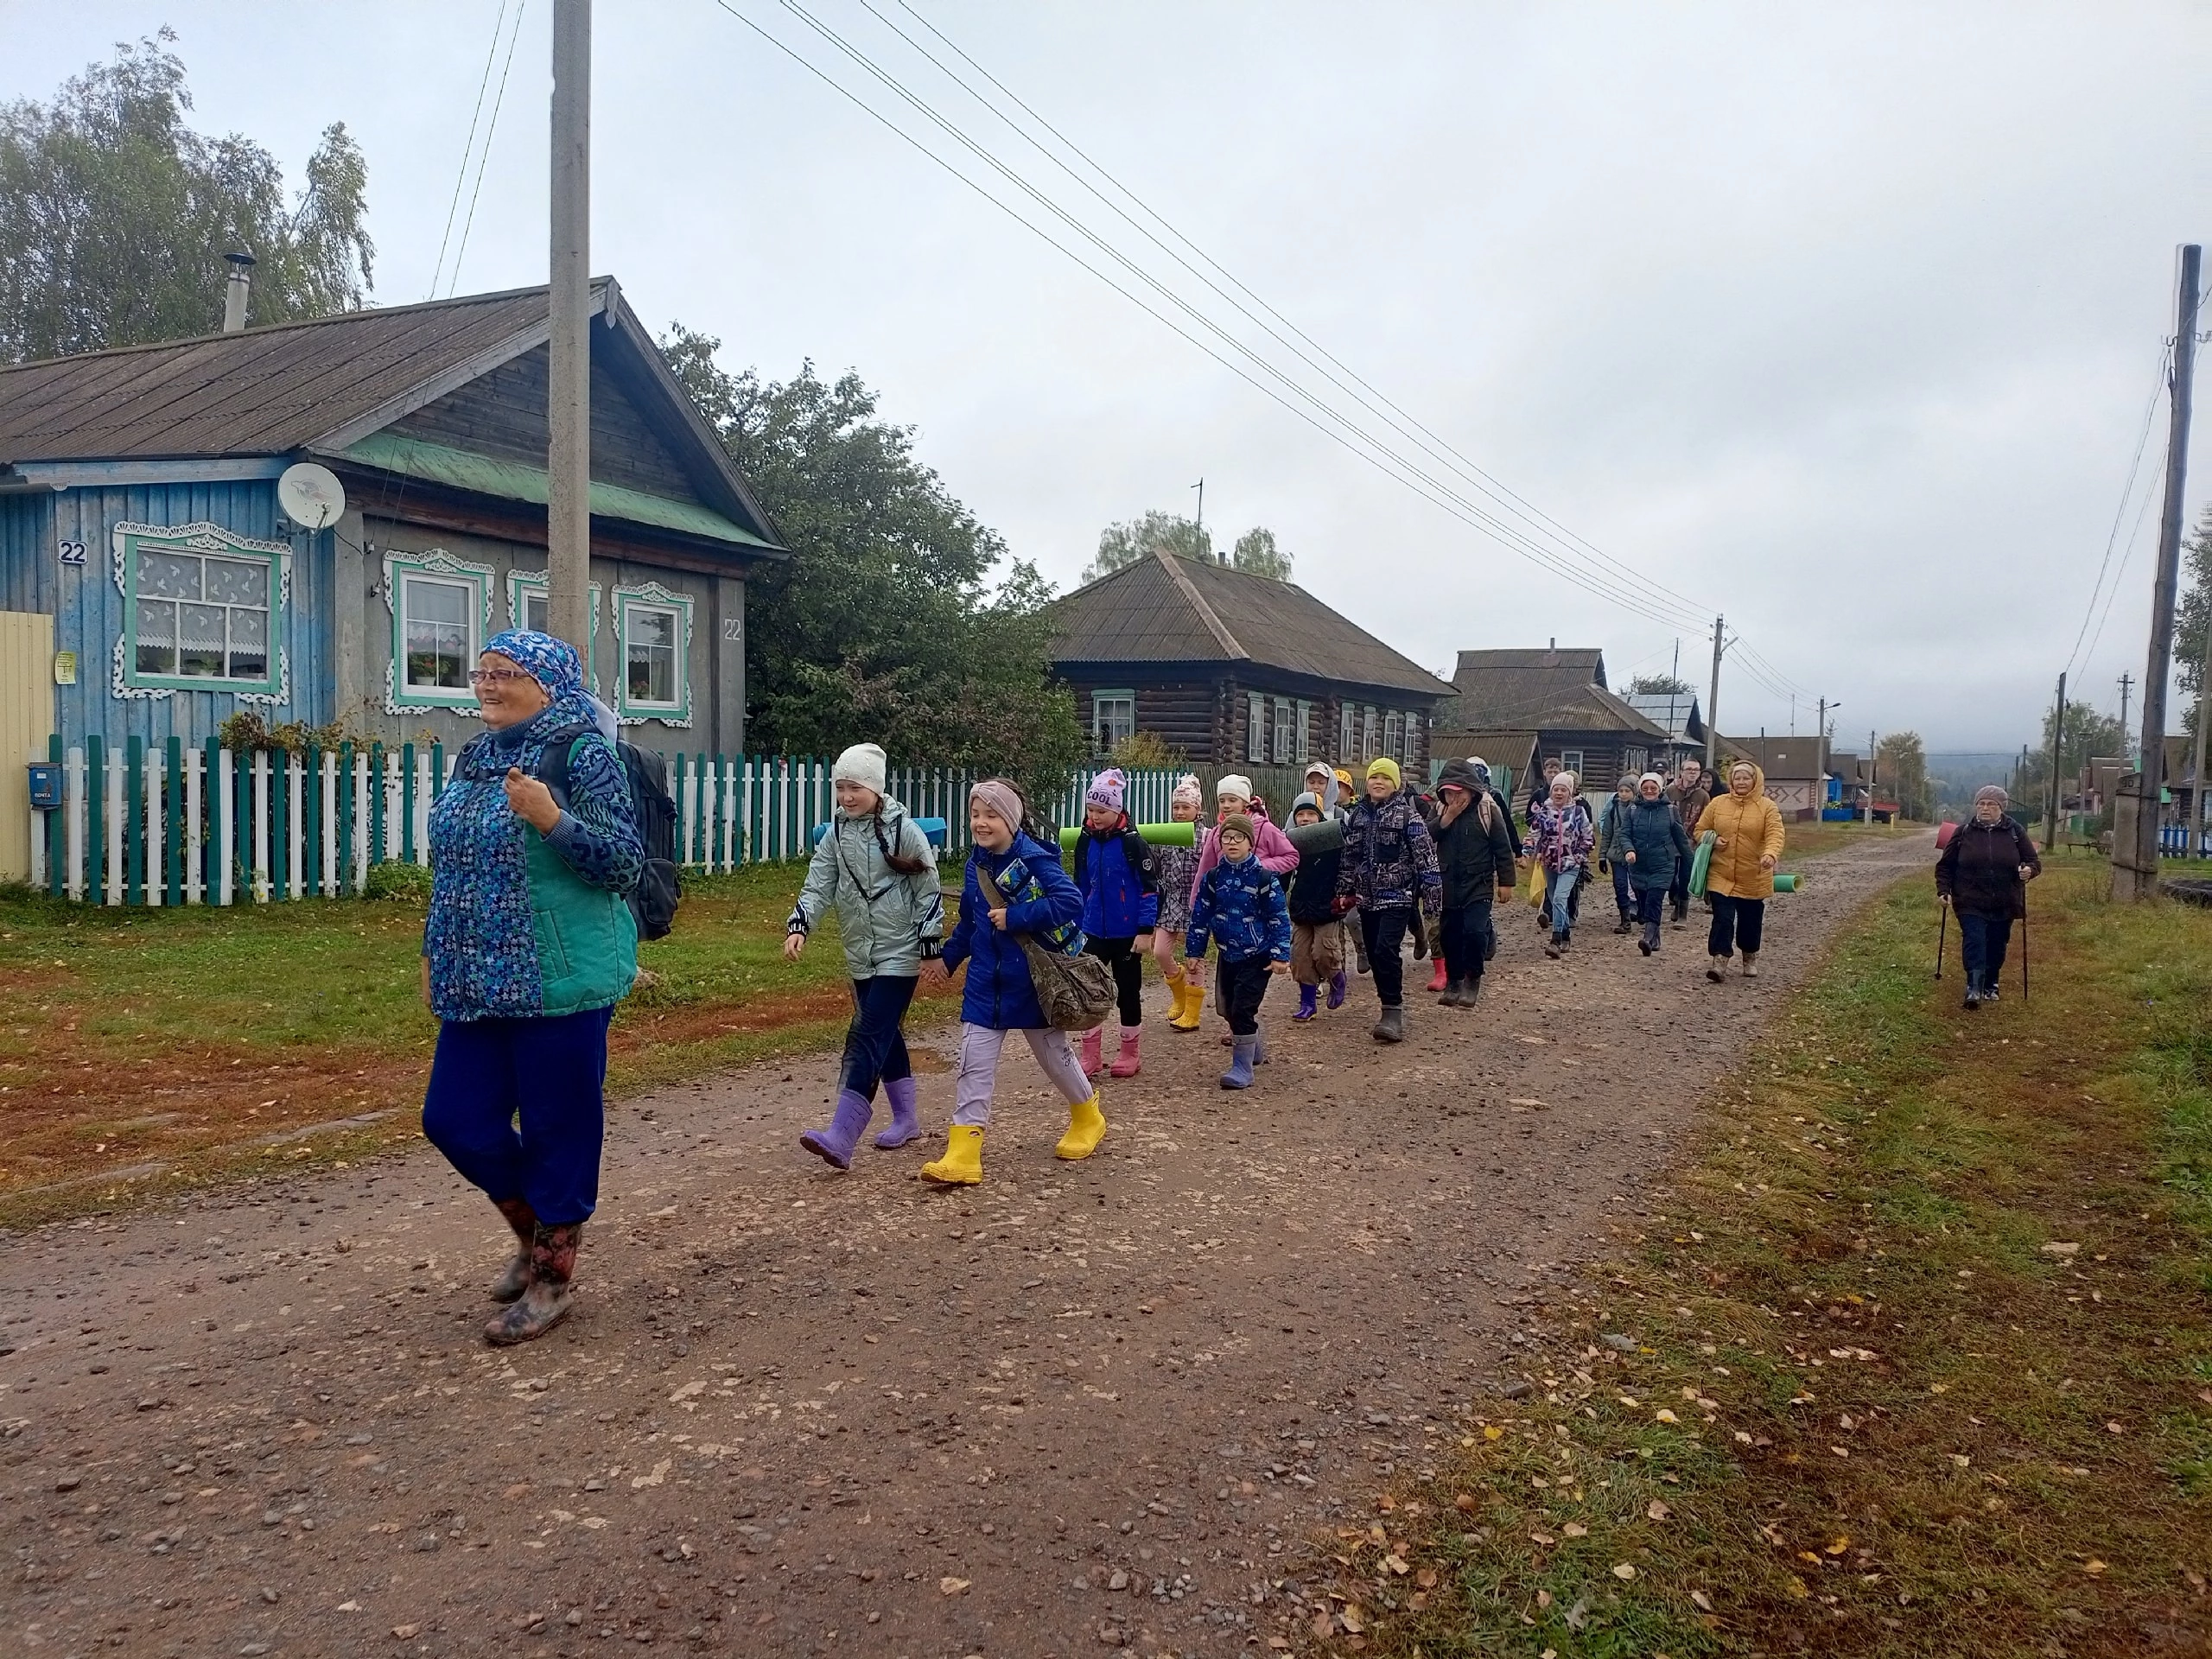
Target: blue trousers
x: 1983, y: 941
x: 1622, y: 895
x: 519, y: 1107
x: 875, y: 1049
x: 1559, y: 887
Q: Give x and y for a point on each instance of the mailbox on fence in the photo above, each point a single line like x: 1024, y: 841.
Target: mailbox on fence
x: 46, y: 786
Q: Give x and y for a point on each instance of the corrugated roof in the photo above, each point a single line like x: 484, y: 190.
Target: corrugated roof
x: 260, y: 391
x: 1674, y: 712
x: 1189, y: 611
x: 1548, y: 689
x: 1794, y: 758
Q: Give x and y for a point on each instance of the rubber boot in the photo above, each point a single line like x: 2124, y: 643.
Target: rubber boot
x: 1439, y: 979
x: 1190, y: 1004
x: 1649, y: 941
x: 518, y: 1214
x: 1974, y: 997
x: 1391, y: 1027
x: 1556, y: 944
x: 547, y: 1301
x: 1625, y: 925
x: 905, y: 1119
x: 1751, y: 964
x: 1086, y: 1124
x: 1260, y: 1055
x: 1717, y: 969
x: 1309, y: 999
x: 1471, y: 990
x: 1454, y: 990
x: 963, y: 1163
x: 1338, y: 987
x: 1239, y: 1075
x: 1130, y: 1060
x: 1094, y: 1051
x: 1681, y: 911
x: 834, y: 1146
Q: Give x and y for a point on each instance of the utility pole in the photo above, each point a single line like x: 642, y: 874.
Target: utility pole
x: 1870, y: 768
x: 2150, y: 769
x: 2196, y: 764
x: 2057, y: 748
x: 2126, y: 682
x: 1713, y: 700
x: 1200, y: 486
x: 568, y: 461
x: 1821, y: 763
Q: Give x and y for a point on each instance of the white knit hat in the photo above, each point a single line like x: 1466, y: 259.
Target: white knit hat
x: 863, y: 764
x: 1234, y: 784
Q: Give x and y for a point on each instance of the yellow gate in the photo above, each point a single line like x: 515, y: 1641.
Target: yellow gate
x: 26, y: 720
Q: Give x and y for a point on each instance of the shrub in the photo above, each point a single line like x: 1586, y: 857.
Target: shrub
x: 405, y: 884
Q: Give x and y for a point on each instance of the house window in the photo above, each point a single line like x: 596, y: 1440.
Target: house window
x: 530, y: 605
x: 1285, y: 744
x: 1113, y: 718
x: 1394, y: 735
x: 1347, y: 736
x: 1636, y: 762
x: 1255, y: 728
x: 1367, y: 749
x: 653, y: 635
x: 440, y: 611
x: 1305, y: 727
x: 1571, y: 760
x: 202, y: 610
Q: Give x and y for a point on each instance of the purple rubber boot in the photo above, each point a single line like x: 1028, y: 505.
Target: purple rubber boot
x: 906, y: 1123
x: 834, y: 1145
x: 1306, y: 995
x: 1337, y: 989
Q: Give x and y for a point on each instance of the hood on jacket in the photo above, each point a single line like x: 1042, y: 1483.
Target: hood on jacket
x: 1459, y: 774
x: 1728, y: 773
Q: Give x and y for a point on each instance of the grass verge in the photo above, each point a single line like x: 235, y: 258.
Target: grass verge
x: 1914, y: 1360
x: 145, y: 1050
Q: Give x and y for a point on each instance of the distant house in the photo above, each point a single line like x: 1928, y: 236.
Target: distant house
x: 1560, y: 697
x: 138, y: 510
x: 1795, y: 778
x: 1675, y: 713
x: 1236, y: 671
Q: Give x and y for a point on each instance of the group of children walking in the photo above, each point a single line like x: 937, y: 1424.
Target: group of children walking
x: 1354, y: 874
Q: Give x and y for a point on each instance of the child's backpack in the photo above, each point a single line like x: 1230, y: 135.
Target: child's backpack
x: 654, y: 901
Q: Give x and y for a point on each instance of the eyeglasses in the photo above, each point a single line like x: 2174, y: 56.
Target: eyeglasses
x: 495, y: 676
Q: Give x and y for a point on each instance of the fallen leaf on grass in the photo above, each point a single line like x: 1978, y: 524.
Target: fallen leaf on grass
x: 1425, y: 1578
x: 1655, y: 1510
x: 1543, y: 1598
x: 1541, y: 1538
x: 1493, y: 1433
x: 1622, y: 1570
x: 1703, y: 1601
x: 1353, y: 1621
x: 2056, y: 1249
x: 2093, y: 1565
x: 1465, y: 1502
x: 1396, y: 1564
x: 952, y: 1587
x: 1666, y: 1416
x: 1575, y: 1530
x: 1960, y: 1459
x: 1840, y: 1545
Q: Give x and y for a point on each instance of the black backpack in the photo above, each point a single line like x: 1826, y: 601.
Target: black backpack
x: 660, y: 885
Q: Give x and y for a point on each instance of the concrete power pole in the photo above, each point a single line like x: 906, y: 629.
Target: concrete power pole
x: 1713, y: 700
x: 1873, y: 740
x: 2142, y: 880
x: 568, y: 508
x: 2052, y: 803
x: 1821, y: 763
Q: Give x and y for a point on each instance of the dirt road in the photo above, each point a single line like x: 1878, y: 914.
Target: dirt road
x: 1106, y: 1403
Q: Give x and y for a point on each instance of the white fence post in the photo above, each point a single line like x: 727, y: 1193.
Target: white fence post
x: 196, y: 886
x: 73, y: 786
x: 156, y: 866
x: 227, y: 845
x: 114, y: 810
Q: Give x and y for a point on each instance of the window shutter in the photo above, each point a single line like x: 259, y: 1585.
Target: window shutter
x: 1255, y: 728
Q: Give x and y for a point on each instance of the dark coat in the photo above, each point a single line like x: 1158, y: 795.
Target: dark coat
x: 1654, y: 834
x: 1040, y: 900
x: 1475, y: 861
x: 1979, y: 871
x: 1313, y: 886
x: 1389, y: 857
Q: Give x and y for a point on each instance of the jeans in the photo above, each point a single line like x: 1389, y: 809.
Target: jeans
x: 1738, y: 924
x: 1622, y: 894
x: 1120, y: 956
x: 1243, y: 987
x: 1559, y: 891
x: 548, y: 1075
x: 875, y: 1049
x: 1384, y: 934
x: 976, y: 1074
x: 1466, y: 933
x: 1650, y: 903
x: 1982, y: 942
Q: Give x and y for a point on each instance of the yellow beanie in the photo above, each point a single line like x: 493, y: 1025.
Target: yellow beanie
x: 1384, y: 766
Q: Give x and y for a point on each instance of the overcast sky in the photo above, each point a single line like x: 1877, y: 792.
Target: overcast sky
x: 1841, y: 320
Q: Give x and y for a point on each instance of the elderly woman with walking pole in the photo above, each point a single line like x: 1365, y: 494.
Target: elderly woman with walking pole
x: 529, y: 944
x: 1983, y: 875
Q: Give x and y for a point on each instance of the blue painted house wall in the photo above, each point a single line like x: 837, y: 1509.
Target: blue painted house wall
x: 87, y: 605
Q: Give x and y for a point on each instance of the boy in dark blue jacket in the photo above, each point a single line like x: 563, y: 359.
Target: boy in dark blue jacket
x: 1119, y: 877
x: 1240, y: 903
x: 1316, y: 938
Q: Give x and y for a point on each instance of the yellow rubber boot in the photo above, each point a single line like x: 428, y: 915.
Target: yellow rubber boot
x: 1086, y: 1124
x: 1190, y: 1003
x: 963, y: 1163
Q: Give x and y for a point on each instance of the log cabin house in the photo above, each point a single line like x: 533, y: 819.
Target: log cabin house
x: 1562, y: 697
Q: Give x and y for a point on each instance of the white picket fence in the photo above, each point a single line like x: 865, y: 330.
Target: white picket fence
x: 167, y: 825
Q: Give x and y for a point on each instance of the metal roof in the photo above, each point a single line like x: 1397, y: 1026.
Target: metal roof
x: 1547, y: 689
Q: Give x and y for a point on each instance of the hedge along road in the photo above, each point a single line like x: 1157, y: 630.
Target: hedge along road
x: 1119, y: 1401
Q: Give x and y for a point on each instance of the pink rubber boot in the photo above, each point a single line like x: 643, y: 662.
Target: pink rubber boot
x: 1094, y: 1051
x: 1129, y: 1062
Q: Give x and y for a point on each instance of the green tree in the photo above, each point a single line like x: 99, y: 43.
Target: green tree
x: 885, y: 625
x: 115, y: 216
x: 1660, y: 685
x: 2089, y: 733
x: 1124, y: 543
x: 1903, y: 759
x: 2194, y: 615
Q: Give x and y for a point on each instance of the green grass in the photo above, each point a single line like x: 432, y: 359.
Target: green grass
x: 191, y: 1038
x: 1903, y: 1425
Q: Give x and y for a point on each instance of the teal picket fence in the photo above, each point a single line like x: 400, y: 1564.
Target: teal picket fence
x: 167, y: 824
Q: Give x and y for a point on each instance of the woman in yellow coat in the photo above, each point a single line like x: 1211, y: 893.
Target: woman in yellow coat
x: 1747, y: 840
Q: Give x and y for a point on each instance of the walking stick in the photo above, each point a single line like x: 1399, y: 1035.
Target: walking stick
x: 1943, y: 931
x: 2024, y: 953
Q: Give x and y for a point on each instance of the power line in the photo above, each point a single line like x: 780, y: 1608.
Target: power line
x: 2126, y: 552
x: 460, y: 175
x: 2120, y: 513
x: 485, y: 155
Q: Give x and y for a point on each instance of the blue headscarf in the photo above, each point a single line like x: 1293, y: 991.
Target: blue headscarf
x: 478, y: 934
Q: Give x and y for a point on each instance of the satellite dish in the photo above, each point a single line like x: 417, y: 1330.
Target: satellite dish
x: 311, y: 496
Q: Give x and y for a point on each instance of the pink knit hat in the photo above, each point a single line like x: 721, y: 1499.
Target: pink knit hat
x: 1108, y: 790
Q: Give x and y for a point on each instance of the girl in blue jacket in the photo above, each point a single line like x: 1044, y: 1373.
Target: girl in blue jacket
x: 1119, y: 881
x: 1030, y: 893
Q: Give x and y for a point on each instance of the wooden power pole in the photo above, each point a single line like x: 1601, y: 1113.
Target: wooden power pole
x: 2052, y: 802
x: 568, y: 506
x: 1712, y: 701
x: 2138, y: 877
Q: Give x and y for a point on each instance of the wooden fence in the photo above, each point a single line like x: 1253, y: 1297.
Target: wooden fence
x: 164, y: 824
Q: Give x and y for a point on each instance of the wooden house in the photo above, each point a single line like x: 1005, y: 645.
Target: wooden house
x: 1796, y: 777
x: 1238, y: 670
x: 139, y: 510
x: 1676, y: 714
x: 1562, y: 697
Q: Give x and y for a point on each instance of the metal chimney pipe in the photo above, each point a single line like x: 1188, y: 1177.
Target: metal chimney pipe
x: 234, y: 292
